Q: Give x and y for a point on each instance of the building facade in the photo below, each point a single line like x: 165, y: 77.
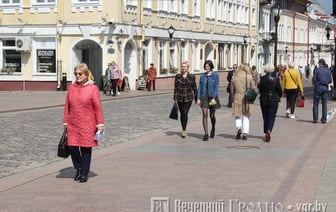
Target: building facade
x: 42, y: 40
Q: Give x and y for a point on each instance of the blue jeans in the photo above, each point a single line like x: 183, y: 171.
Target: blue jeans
x: 323, y: 94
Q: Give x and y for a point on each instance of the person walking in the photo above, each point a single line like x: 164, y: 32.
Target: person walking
x: 242, y: 109
x: 270, y: 95
x: 107, y: 86
x: 185, y: 91
x: 308, y: 70
x: 151, y: 77
x: 291, y: 85
x: 114, y: 76
x: 322, y: 77
x: 255, y: 75
x: 229, y: 78
x: 82, y: 117
x: 207, y: 97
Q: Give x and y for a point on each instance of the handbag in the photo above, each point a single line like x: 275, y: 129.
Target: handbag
x: 174, y: 112
x: 63, y: 149
x: 250, y: 94
x: 300, y: 100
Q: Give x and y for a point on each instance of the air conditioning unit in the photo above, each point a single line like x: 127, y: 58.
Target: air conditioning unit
x: 23, y: 43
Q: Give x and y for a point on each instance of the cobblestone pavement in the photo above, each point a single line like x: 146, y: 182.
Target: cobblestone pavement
x: 30, y: 138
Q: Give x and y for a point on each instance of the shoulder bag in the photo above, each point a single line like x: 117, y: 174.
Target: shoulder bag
x: 174, y: 112
x: 250, y: 94
x: 63, y: 149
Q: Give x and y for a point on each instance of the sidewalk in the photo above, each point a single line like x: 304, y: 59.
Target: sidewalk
x: 295, y: 169
x: 11, y: 101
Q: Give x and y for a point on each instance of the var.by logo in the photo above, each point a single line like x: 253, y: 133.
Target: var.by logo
x: 160, y: 204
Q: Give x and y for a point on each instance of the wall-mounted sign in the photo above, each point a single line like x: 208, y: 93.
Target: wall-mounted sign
x: 46, y: 61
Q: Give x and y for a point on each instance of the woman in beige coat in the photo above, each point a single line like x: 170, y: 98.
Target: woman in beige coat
x: 242, y: 109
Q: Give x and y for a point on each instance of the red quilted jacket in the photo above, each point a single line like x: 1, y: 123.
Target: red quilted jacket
x: 82, y: 114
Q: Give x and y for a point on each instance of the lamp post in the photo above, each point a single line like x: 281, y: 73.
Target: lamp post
x: 327, y: 29
x: 245, y: 48
x: 171, y: 31
x: 276, y: 13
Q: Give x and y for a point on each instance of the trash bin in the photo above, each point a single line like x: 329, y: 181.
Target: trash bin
x: 141, y: 82
x: 64, y: 82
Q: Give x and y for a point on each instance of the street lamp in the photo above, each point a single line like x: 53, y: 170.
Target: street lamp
x: 245, y: 47
x: 327, y: 29
x: 171, y: 31
x: 276, y: 13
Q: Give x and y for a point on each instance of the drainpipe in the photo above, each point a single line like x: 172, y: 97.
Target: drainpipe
x: 308, y: 36
x: 294, y: 16
x: 58, y: 42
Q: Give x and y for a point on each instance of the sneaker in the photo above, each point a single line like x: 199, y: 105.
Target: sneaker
x: 287, y: 113
x: 292, y: 116
x: 238, y: 136
x: 118, y: 93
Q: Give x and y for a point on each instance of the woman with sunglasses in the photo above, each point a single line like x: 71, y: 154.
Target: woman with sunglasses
x: 83, y: 117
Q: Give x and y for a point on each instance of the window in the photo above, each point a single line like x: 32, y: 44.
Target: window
x: 44, y: 1
x: 184, y: 7
x: 196, y: 8
x: 46, y: 61
x: 10, y: 2
x: 86, y: 1
x: 10, y: 58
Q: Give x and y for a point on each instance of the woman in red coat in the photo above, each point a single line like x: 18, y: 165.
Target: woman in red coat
x: 82, y: 117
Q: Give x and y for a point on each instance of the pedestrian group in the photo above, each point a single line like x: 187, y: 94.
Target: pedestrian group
x: 83, y: 116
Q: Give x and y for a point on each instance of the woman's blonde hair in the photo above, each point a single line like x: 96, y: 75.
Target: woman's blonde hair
x: 245, y: 67
x: 82, y: 67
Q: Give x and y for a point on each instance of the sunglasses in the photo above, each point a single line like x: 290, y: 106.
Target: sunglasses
x: 78, y: 73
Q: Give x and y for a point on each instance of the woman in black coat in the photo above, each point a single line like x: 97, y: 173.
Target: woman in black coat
x: 270, y: 95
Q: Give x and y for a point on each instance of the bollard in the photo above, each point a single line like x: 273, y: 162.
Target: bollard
x: 64, y: 82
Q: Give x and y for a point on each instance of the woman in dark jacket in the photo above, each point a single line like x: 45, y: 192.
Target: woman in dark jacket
x: 270, y: 95
x: 185, y: 91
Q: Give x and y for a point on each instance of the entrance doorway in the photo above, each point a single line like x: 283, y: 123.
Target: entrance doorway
x: 89, y: 52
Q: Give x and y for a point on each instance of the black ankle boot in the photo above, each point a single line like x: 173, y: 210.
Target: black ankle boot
x: 84, y: 178
x: 78, y: 175
x: 205, y: 137
x: 212, y: 134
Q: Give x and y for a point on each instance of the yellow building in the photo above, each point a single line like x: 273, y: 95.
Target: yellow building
x: 42, y: 40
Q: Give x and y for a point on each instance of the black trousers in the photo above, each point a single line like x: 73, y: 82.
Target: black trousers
x: 114, y: 86
x: 81, y: 158
x: 291, y: 95
x: 184, y: 108
x: 150, y: 83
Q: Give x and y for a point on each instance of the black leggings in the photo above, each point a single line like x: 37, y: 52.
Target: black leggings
x: 184, y: 108
x: 291, y: 95
x: 212, y: 118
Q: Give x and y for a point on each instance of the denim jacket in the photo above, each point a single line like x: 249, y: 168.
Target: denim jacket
x: 213, y: 85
